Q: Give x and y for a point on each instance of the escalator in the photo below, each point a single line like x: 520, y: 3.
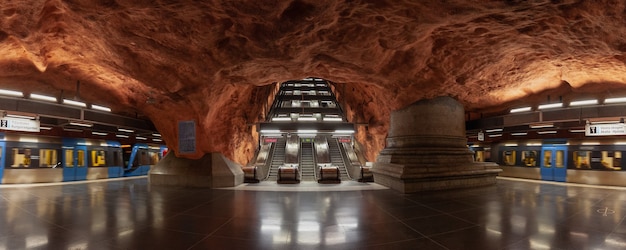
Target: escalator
x: 307, y: 162
x: 278, y: 158
x: 336, y: 158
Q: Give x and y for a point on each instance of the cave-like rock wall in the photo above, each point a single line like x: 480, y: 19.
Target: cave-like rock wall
x: 208, y: 60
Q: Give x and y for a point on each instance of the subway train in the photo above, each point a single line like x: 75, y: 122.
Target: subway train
x: 586, y: 161
x: 39, y: 159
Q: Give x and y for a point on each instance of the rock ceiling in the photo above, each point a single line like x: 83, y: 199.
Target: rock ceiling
x: 214, y: 61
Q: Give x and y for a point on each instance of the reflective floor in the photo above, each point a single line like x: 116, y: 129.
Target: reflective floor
x: 131, y: 214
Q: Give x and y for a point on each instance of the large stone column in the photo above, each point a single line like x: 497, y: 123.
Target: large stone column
x: 427, y: 150
x: 211, y: 171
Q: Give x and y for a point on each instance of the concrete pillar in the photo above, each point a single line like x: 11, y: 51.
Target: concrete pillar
x: 213, y: 170
x: 427, y: 150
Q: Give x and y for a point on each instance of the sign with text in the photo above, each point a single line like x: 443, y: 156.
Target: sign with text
x: 605, y: 129
x: 187, y: 137
x: 16, y: 124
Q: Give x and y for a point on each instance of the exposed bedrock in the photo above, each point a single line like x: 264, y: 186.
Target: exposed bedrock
x: 204, y: 60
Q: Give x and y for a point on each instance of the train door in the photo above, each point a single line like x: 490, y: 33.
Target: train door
x: 554, y: 163
x: 74, y: 163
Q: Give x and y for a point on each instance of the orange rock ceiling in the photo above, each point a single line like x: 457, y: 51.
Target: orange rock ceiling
x: 209, y: 60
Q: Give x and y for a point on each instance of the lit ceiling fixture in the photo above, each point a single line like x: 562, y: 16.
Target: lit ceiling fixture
x: 43, y: 98
x: 583, y: 102
x: 332, y: 119
x: 281, y: 119
x: 101, y: 108
x: 344, y: 131
x: 541, y: 125
x: 81, y: 124
x: 125, y: 130
x: 523, y: 109
x: 550, y: 106
x: 45, y: 128
x: 99, y: 133
x: 74, y: 103
x: 615, y: 100
x: 307, y: 119
x: 510, y: 145
x: 546, y: 132
x: 22, y: 116
x: 122, y: 136
x: 493, y: 130
x: 11, y: 93
x: 157, y: 135
x: 140, y: 138
x: 519, y: 134
x: 495, y: 135
x: 270, y: 131
x: 577, y: 131
x: 307, y: 131
x: 155, y: 139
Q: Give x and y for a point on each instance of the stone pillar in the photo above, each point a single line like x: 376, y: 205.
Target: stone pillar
x: 427, y: 150
x: 213, y: 170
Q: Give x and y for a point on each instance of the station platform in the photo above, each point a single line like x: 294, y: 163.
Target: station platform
x: 128, y: 213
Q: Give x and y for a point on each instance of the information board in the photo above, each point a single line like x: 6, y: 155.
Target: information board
x: 16, y: 124
x: 187, y: 137
x: 605, y: 129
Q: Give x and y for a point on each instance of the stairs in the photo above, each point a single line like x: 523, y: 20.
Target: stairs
x: 336, y: 158
x: 307, y: 163
x: 278, y: 159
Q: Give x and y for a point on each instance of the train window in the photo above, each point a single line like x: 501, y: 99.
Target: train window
x: 560, y: 159
x: 69, y: 158
x: 47, y: 158
x: 143, y: 157
x: 117, y: 158
x: 611, y: 160
x: 479, y: 156
x: 529, y: 158
x: 98, y: 158
x: 509, y: 157
x: 21, y: 158
x: 581, y: 159
x: 81, y: 158
x: 547, y: 159
x: 154, y: 158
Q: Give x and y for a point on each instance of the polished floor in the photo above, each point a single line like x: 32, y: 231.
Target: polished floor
x: 131, y: 214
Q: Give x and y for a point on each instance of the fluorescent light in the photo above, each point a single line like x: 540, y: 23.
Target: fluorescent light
x: 550, y: 106
x: 519, y: 134
x: 75, y: 103
x: 510, y: 145
x: 475, y: 146
x: 534, y: 144
x: 583, y: 102
x: 99, y: 133
x: 589, y: 143
x: 21, y: 116
x: 157, y: 135
x: 43, y: 98
x: 270, y: 131
x: 72, y: 130
x: 546, y: 132
x: 11, y: 93
x: 307, y: 119
x: 545, y: 125
x: 125, y: 130
x: 28, y: 139
x: 495, y: 135
x: 332, y: 119
x: 605, y: 122
x: 307, y: 131
x: 122, y: 136
x: 615, y: 100
x: 344, y: 131
x: 493, y: 130
x: 523, y: 109
x: 619, y: 143
x: 577, y: 130
x: 140, y: 138
x: 45, y: 128
x: 154, y: 139
x: 101, y: 108
x: 81, y: 124
x: 279, y: 119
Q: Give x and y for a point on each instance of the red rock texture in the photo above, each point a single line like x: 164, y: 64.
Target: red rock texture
x: 203, y: 60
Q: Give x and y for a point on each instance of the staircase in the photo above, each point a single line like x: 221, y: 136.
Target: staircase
x: 336, y: 158
x: 307, y: 163
x: 278, y: 159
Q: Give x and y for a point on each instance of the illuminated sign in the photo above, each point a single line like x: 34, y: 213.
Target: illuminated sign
x: 16, y: 124
x: 605, y: 129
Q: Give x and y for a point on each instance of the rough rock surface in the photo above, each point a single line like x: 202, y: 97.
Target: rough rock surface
x: 205, y: 60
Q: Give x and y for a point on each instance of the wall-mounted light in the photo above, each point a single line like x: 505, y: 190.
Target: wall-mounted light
x: 522, y: 109
x: 74, y: 103
x: 43, y: 98
x: 615, y: 100
x: 550, y: 106
x: 101, y: 108
x: 11, y: 93
x: 583, y: 102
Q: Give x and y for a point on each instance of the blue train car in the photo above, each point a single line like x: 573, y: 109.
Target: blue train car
x: 141, y: 157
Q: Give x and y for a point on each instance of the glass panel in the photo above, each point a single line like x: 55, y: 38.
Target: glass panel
x: 81, y: 158
x: 69, y: 158
x: 547, y: 159
x: 47, y: 158
x: 529, y: 158
x: 479, y: 156
x: 21, y: 158
x: 98, y: 158
x: 560, y: 159
x: 610, y: 159
x: 154, y: 158
x: 581, y: 159
x: 509, y: 157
